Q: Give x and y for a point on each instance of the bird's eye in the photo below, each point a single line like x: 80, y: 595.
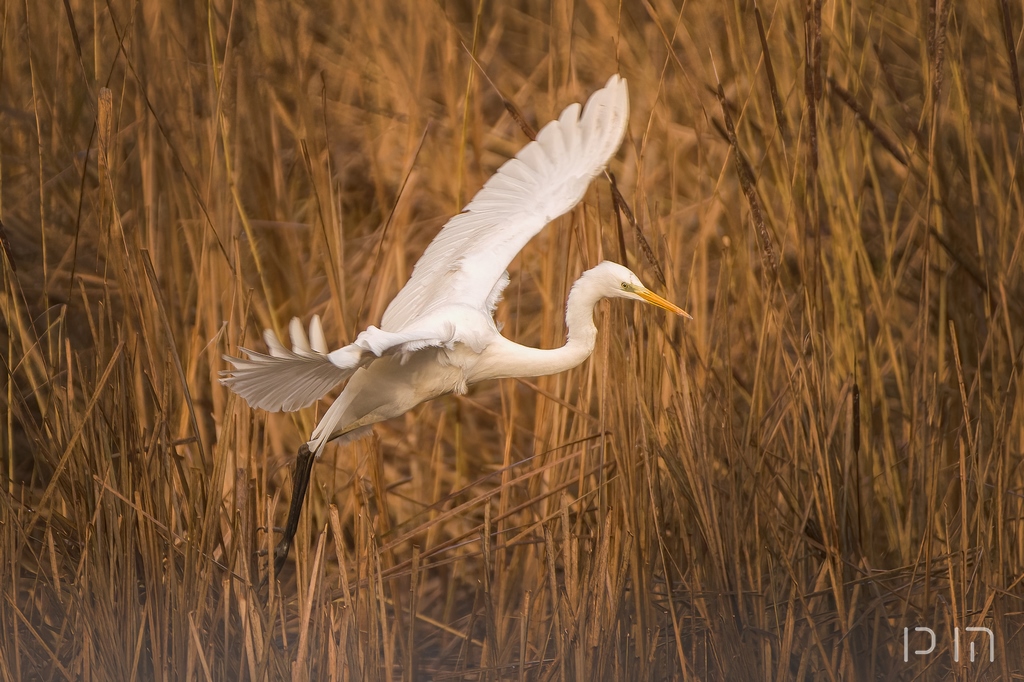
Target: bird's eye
x: 625, y: 286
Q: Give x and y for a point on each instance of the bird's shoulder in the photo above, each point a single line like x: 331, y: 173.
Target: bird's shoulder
x: 456, y: 323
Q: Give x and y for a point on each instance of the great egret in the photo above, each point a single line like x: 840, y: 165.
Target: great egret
x: 438, y: 335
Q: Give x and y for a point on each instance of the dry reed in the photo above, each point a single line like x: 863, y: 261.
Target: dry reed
x: 821, y: 459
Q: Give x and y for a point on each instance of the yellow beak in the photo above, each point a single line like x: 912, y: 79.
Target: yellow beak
x: 654, y: 299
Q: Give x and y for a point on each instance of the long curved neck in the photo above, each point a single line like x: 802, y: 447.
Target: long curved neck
x: 509, y: 359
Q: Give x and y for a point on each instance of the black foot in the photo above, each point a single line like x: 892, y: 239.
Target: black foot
x: 300, y: 482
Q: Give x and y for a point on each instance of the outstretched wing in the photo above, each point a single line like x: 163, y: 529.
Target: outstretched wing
x: 465, y: 263
x: 290, y: 380
x: 286, y: 379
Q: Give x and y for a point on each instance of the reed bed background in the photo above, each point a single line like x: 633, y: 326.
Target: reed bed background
x: 827, y: 454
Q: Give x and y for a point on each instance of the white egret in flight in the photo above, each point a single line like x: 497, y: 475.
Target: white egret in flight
x: 438, y: 335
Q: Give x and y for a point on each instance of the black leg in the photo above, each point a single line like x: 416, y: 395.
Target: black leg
x: 300, y: 482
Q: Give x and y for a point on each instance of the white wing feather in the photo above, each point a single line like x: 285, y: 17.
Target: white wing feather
x: 287, y: 379
x: 290, y: 380
x: 548, y: 177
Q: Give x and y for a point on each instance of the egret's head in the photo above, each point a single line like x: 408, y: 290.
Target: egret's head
x: 618, y: 281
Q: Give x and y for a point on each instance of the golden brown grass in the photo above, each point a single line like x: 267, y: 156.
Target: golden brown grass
x: 828, y: 454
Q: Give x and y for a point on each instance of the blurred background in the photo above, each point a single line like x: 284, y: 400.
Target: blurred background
x: 826, y: 458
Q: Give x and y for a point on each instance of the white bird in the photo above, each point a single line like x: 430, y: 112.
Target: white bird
x: 438, y: 335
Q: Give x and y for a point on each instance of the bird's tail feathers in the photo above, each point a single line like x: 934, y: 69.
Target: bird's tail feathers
x: 333, y: 418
